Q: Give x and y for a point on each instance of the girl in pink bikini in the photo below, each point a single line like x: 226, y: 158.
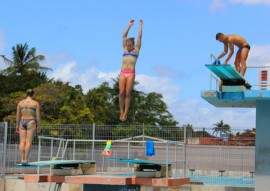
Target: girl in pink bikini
x: 127, y: 74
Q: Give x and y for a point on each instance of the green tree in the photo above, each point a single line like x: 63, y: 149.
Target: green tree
x: 75, y: 110
x: 248, y: 132
x: 24, y: 61
x: 220, y: 127
x: 202, y: 133
x: 51, y: 97
x: 9, y: 106
x: 101, y: 102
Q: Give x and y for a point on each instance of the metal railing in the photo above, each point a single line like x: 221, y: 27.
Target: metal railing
x: 64, y: 144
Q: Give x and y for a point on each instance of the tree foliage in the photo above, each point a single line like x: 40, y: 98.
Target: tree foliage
x: 24, y: 61
x: 220, y: 128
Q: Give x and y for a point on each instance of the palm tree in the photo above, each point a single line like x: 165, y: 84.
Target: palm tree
x: 23, y: 61
x: 220, y: 127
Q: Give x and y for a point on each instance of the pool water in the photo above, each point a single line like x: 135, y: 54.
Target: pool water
x: 238, y: 181
x: 207, y: 180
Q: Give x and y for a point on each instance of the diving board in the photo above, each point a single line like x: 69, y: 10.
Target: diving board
x: 54, y: 162
x: 64, y: 167
x: 148, y: 168
x: 138, y: 161
x: 229, y: 75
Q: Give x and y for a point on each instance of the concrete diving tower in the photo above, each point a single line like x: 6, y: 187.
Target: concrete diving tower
x: 235, y: 92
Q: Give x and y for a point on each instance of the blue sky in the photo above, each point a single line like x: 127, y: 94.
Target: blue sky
x: 82, y: 42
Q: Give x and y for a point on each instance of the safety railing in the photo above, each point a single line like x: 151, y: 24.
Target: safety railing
x: 128, y: 145
x: 51, y: 141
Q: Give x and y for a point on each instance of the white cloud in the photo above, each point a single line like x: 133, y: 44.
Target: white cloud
x: 2, y: 41
x: 259, y: 55
x: 92, y: 77
x: 220, y: 4
x: 88, y: 79
x: 165, y: 86
x: 250, y: 2
x: 65, y: 72
x: 216, y: 5
x: 2, y: 45
x: 201, y: 114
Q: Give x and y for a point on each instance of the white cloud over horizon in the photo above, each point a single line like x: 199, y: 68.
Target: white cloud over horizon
x: 216, y: 5
x: 201, y: 114
x: 2, y: 45
x: 259, y: 55
x: 251, y: 2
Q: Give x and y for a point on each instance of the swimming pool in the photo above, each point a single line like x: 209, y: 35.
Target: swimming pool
x: 237, y: 181
x: 207, y: 180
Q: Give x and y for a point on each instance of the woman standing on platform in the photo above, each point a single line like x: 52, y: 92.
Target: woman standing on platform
x: 127, y: 74
x: 27, y: 123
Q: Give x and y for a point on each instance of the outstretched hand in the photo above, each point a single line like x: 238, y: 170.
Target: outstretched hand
x: 131, y: 22
x: 141, y: 22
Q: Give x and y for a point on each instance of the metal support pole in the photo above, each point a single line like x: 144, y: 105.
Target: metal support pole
x: 93, y: 140
x: 5, y: 148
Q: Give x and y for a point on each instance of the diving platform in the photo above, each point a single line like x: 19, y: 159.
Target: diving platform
x: 235, y: 92
x: 245, y: 99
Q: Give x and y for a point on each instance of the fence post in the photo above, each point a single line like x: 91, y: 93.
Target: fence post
x: 39, y: 152
x: 5, y: 149
x: 93, y: 140
x: 143, y: 135
x: 184, y: 150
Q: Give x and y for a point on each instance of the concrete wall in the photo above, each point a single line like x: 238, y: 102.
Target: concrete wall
x: 15, y: 184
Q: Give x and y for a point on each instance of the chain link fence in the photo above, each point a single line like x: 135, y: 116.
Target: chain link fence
x: 204, y: 152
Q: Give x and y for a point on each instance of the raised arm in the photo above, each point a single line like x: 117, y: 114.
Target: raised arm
x: 131, y: 22
x: 139, y: 40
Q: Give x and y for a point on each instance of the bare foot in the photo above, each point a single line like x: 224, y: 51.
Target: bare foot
x: 124, y: 117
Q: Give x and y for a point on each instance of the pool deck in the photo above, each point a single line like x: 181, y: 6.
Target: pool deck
x: 107, y: 180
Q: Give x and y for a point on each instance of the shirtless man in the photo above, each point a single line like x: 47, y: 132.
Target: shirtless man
x: 242, y: 54
x: 28, y: 122
x: 127, y: 74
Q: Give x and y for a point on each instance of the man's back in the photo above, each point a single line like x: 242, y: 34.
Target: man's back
x: 237, y: 40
